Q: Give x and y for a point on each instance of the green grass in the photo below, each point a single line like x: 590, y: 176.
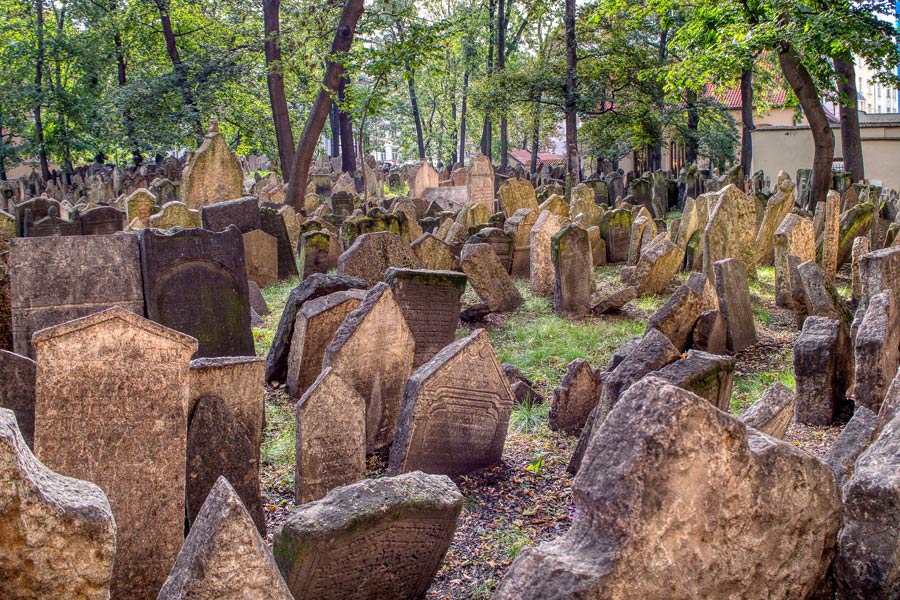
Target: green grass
x: 280, y: 437
x: 275, y: 296
x: 528, y: 416
x: 749, y: 387
x: 763, y: 289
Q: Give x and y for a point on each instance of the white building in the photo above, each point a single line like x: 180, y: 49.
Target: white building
x: 874, y: 98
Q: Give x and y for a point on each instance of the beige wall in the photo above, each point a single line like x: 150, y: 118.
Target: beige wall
x: 789, y: 149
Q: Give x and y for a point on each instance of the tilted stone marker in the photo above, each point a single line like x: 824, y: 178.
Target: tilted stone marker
x: 455, y: 411
x: 272, y: 222
x: 94, y: 421
x: 45, y: 290
x: 570, y: 252
x: 317, y: 322
x: 731, y: 231
x: 819, y: 295
x: 542, y: 273
x: 657, y: 266
x: 219, y: 446
x: 224, y: 557
x: 794, y: 236
x: 195, y: 281
x: 677, y: 317
x: 373, y: 253
x: 777, y: 207
x: 213, y: 174
x: 822, y: 366
x: 854, y: 439
x: 17, y: 381
x: 378, y: 538
x: 57, y: 533
x: 518, y: 227
x: 773, y: 412
x: 261, y: 257
x: 331, y: 437
x: 488, y: 277
x: 574, y: 398
x: 707, y: 375
x: 876, y: 350
x: 430, y: 302
x: 860, y: 247
x: 433, y: 253
x: 878, y: 271
x: 747, y: 507
x: 372, y: 351
x: 733, y: 290
x: 243, y: 213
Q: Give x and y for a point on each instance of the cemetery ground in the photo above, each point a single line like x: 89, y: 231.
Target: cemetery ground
x: 526, y: 499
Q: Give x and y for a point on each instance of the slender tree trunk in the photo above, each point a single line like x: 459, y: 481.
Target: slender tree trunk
x: 501, y: 65
x: 851, y: 139
x: 420, y: 138
x: 747, y: 121
x: 454, y: 136
x: 177, y: 65
x: 487, y: 129
x: 2, y: 162
x: 335, y: 124
x: 345, y: 126
x: 284, y: 136
x: 39, y: 91
x: 462, y: 118
x: 693, y: 121
x: 343, y: 38
x: 535, y: 136
x: 571, y: 99
x: 823, y: 139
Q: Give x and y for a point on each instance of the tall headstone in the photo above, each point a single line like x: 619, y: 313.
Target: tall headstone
x: 821, y: 370
x: 794, y: 236
x: 572, y: 264
x: 542, y: 273
x: 132, y: 448
x: 488, y: 277
x: 261, y: 257
x: 17, y: 381
x: 518, y: 227
x: 615, y: 228
x: 516, y: 194
x: 875, y: 350
x: 733, y: 290
x: 777, y: 207
x: 213, y: 173
x: 731, y: 231
x: 831, y: 234
x: 272, y: 223
x: 455, y: 411
x: 195, y: 281
x: 480, y: 182
x: 878, y: 271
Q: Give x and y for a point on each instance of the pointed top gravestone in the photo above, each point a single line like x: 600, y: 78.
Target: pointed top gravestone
x: 213, y: 174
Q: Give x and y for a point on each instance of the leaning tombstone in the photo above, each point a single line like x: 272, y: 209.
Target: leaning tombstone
x: 794, y: 236
x: 876, y: 350
x: 773, y: 412
x: 731, y: 231
x: 707, y: 375
x: 733, y: 290
x: 81, y: 365
x: 455, y: 411
x: 822, y: 366
x: 518, y: 227
x: 541, y: 261
x: 243, y: 213
x: 212, y: 174
x: 433, y: 252
x: 570, y: 252
x: 574, y: 398
x: 224, y: 556
x: 373, y: 253
x: 17, y: 381
x: 378, y: 538
x: 272, y: 223
x: 488, y: 277
x: 58, y: 534
x: 261, y: 258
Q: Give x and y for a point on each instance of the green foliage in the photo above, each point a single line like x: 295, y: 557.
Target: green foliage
x: 528, y: 416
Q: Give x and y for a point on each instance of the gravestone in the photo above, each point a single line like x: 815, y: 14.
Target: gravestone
x: 518, y: 227
x: 731, y: 231
x: 212, y: 174
x: 488, y: 277
x: 140, y: 205
x: 58, y: 534
x: 822, y: 366
x: 373, y: 253
x: 174, y: 214
x: 777, y: 207
x: 319, y: 252
x: 133, y: 449
x: 39, y: 207
x: 707, y: 375
x: 541, y: 260
x: 243, y: 213
x: 574, y: 398
x: 480, y: 182
x: 878, y: 271
x: 315, y: 326
x: 657, y: 266
x: 433, y: 253
x: 641, y: 225
x: 876, y: 350
x: 455, y: 411
x: 372, y: 351
x: 773, y: 413
x: 289, y: 216
x: 17, y: 381
x: 831, y: 234
x: 662, y: 454
x: 219, y: 446
x: 572, y: 264
x: 331, y: 437
x: 52, y: 225
x: 261, y: 257
x: 430, y: 302
x: 422, y: 177
x: 860, y: 247
x: 733, y: 291
x: 45, y: 290
x: 615, y: 228
x: 378, y: 538
x: 819, y: 296
x: 313, y: 287
x: 499, y: 240
x: 677, y: 317
x: 516, y: 194
x: 794, y: 236
x: 195, y: 281
x: 224, y: 557
x: 556, y: 204
x: 272, y: 223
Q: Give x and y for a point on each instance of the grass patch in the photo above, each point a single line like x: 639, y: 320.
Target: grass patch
x: 279, y: 443
x: 764, y: 287
x: 749, y: 387
x: 527, y: 417
x: 512, y: 540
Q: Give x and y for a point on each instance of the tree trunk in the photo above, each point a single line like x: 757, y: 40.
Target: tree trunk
x: 747, y: 121
x: 454, y: 136
x: 2, y: 161
x: 343, y: 38
x: 487, y: 129
x: 39, y: 91
x: 823, y: 139
x: 571, y: 99
x: 851, y: 139
x: 178, y: 66
x: 501, y: 64
x: 535, y: 136
x: 420, y: 138
x: 462, y: 119
x: 334, y: 123
x: 281, y: 118
x: 345, y: 126
x: 693, y: 121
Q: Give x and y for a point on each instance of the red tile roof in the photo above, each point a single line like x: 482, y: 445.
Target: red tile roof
x: 731, y: 97
x: 524, y: 157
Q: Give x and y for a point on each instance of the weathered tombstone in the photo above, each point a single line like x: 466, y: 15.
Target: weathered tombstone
x: 574, y: 398
x: 52, y: 224
x: 516, y: 194
x: 373, y: 253
x: 433, y: 253
x: 430, y: 302
x: 378, y: 538
x: 139, y: 205
x: 243, y: 213
x: 17, y: 381
x: 488, y: 277
x: 519, y: 227
x: 731, y: 231
x: 58, y: 534
x: 135, y: 452
x: 313, y: 287
x: 853, y: 441
x: 372, y: 351
x: 665, y: 442
x: 315, y: 326
x: 657, y: 266
x: 331, y: 437
x: 777, y: 207
x: 422, y: 177
x: 773, y: 412
x: 819, y: 296
x: 219, y: 446
x: 677, y: 317
x: 876, y: 350
x: 541, y: 261
x: 879, y: 271
x: 45, y: 290
x: 614, y: 301
x: 261, y: 257
x: 480, y: 182
x: 598, y: 247
x: 570, y: 252
x: 855, y: 222
x: 794, y: 236
x: 641, y: 225
x: 821, y: 370
x: 455, y: 411
x: 195, y: 281
x: 272, y: 223
x: 615, y: 228
x: 708, y: 375
x: 212, y: 174
x: 174, y: 214
x: 224, y: 556
x: 319, y: 252
x: 556, y: 204
x: 860, y: 247
x: 39, y: 207
x: 831, y: 234
x: 734, y: 303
